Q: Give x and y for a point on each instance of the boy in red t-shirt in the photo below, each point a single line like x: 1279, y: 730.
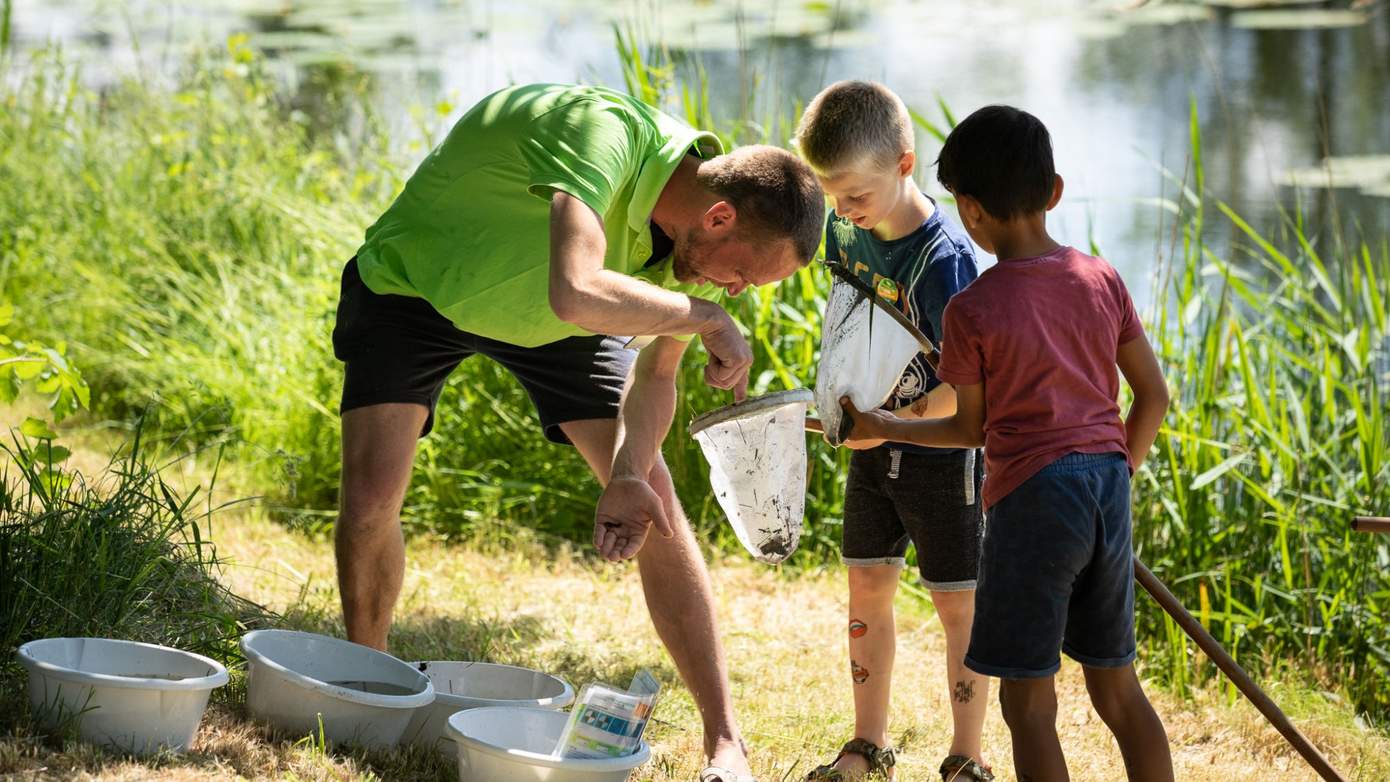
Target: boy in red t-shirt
x: 1032, y: 347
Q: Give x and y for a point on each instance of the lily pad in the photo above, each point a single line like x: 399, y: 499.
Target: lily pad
x: 1243, y: 5
x: 1368, y: 173
x: 1297, y: 20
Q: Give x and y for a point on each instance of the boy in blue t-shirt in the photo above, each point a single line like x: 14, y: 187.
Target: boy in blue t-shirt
x: 857, y: 137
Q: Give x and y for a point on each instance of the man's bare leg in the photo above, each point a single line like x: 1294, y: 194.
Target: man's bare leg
x: 676, y: 584
x: 378, y: 450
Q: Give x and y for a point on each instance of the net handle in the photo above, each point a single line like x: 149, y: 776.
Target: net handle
x: 929, y: 350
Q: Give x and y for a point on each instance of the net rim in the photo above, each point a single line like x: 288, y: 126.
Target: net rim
x: 749, y: 407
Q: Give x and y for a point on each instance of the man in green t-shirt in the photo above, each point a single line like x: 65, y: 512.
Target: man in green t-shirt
x: 550, y: 220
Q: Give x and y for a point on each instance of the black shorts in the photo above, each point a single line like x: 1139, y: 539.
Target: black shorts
x: 400, y: 349
x: 931, y: 500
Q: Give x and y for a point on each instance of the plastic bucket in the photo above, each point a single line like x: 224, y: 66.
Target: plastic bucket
x: 470, y: 685
x: 363, y: 696
x: 137, y: 697
x: 513, y: 744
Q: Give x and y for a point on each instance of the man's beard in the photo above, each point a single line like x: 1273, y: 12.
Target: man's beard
x: 691, y: 251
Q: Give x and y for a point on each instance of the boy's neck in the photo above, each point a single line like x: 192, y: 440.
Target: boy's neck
x: 1023, y: 237
x: 912, y: 210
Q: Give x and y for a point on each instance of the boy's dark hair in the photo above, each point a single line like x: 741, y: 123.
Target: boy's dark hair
x: 1002, y: 157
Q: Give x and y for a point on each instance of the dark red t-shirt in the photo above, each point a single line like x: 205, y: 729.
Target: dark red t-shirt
x: 1041, y: 334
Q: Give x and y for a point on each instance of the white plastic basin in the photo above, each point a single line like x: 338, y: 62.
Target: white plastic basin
x: 513, y: 744
x: 467, y: 685
x: 137, y: 697
x: 363, y: 696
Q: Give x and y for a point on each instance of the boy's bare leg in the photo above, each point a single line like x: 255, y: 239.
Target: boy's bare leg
x: 1030, y: 710
x: 679, y: 599
x: 872, y: 647
x: 1121, y: 703
x: 969, y: 690
x: 378, y: 449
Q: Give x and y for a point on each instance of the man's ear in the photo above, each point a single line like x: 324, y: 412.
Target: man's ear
x: 720, y: 218
x: 1057, y: 185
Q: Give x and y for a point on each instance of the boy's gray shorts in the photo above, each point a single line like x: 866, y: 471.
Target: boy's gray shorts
x: 929, y: 499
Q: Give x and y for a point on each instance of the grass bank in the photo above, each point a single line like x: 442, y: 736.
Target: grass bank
x: 184, y: 244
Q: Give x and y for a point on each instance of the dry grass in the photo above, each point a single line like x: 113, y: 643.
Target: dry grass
x: 584, y: 621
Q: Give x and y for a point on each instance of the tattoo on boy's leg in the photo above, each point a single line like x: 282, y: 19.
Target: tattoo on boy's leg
x: 964, y: 691
x: 859, y: 673
x: 857, y: 629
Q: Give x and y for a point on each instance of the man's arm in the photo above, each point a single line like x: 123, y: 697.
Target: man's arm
x: 1141, y: 370
x: 629, y: 506
x: 963, y: 429
x: 603, y: 301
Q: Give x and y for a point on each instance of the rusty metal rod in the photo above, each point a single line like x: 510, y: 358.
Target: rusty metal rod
x: 1271, y: 711
x: 1379, y: 524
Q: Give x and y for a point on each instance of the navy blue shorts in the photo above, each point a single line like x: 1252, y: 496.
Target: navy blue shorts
x: 1057, y: 572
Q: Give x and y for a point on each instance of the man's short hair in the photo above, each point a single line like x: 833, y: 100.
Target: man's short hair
x: 854, y: 122
x: 1002, y: 157
x: 775, y: 195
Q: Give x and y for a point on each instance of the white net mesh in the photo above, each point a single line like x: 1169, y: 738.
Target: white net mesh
x: 863, y: 353
x: 757, y: 467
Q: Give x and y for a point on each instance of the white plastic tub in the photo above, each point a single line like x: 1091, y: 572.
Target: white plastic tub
x: 137, y: 697
x: 467, y: 685
x: 363, y: 696
x: 513, y: 744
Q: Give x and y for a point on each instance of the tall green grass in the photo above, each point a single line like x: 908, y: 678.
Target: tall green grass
x: 187, y: 246
x: 120, y: 555
x: 1280, y: 361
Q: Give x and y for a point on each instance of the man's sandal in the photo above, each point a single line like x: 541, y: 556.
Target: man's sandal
x: 959, y: 768
x: 880, y: 759
x: 721, y: 774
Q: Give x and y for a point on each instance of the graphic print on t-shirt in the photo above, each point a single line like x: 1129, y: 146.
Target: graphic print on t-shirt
x: 918, y: 273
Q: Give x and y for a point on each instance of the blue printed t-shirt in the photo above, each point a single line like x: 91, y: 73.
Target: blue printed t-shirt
x: 919, y: 273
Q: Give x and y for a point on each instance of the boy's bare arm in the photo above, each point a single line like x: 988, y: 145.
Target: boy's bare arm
x: 1140, y: 368
x: 964, y: 429
x: 936, y: 403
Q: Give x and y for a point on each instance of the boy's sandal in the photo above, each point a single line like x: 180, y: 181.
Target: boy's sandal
x: 880, y: 760
x: 721, y: 774
x: 959, y: 768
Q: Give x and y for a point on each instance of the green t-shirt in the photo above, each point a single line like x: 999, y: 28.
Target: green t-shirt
x: 470, y: 233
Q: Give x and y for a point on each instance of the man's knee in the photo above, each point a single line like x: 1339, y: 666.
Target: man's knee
x: 378, y: 451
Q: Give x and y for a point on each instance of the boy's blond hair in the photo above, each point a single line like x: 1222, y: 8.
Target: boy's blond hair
x: 854, y: 122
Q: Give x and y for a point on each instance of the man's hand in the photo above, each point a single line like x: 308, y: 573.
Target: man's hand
x: 626, y: 512
x: 871, y: 429
x: 730, y: 358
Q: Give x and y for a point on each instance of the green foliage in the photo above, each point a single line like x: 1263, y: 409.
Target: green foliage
x: 1280, y: 360
x: 47, y: 370
x: 126, y: 556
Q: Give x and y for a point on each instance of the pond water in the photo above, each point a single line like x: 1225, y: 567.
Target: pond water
x: 1277, y: 91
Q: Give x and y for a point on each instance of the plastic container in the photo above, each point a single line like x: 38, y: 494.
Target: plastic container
x: 363, y: 696
x: 136, y: 697
x: 514, y: 744
x: 471, y: 685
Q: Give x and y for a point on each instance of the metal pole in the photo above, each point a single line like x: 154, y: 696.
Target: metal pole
x: 1371, y: 524
x: 1234, y: 672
